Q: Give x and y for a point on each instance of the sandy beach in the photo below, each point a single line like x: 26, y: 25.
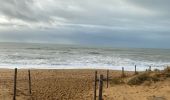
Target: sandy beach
x: 78, y: 85
x: 84, y: 50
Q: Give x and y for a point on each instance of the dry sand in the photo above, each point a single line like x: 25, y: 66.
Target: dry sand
x: 76, y: 85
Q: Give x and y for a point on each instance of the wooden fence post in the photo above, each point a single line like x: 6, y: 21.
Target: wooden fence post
x: 95, y: 83
x: 15, y: 84
x: 150, y: 68
x: 123, y: 73
x: 29, y: 79
x: 107, y: 78
x: 100, y: 87
x: 135, y: 70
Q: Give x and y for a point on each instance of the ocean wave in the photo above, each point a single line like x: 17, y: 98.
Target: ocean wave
x: 81, y: 57
x: 94, y: 53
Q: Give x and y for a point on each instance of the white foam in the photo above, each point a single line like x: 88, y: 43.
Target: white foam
x: 51, y: 57
x: 127, y: 68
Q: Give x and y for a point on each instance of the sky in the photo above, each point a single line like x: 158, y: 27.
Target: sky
x: 112, y: 23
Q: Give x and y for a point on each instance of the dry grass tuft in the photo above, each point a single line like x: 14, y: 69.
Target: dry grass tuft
x: 149, y: 77
x: 166, y: 70
x: 117, y: 81
x: 141, y: 78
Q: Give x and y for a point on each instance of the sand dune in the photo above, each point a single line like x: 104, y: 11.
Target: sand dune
x: 78, y: 85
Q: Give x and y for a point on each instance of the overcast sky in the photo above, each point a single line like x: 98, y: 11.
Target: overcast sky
x: 115, y: 23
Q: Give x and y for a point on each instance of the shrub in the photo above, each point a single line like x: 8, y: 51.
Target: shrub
x: 166, y: 70
x: 141, y: 78
x: 116, y: 81
x: 156, y: 70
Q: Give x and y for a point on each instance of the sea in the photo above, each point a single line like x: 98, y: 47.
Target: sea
x: 55, y: 56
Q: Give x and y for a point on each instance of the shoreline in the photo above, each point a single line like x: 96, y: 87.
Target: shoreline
x: 116, y: 68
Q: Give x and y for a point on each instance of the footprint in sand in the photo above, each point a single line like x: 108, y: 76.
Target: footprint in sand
x: 5, y: 92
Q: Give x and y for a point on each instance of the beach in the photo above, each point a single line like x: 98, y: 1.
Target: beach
x: 78, y: 84
x: 84, y: 50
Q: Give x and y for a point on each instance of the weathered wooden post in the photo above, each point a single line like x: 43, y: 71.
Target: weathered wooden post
x: 107, y: 78
x: 29, y: 80
x: 150, y: 68
x: 95, y: 83
x: 123, y: 73
x: 135, y: 70
x: 100, y: 87
x: 15, y: 83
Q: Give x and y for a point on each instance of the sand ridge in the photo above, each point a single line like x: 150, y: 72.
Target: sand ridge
x: 76, y: 85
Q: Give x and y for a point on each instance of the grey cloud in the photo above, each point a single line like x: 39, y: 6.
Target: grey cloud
x: 152, y: 4
x: 135, y: 23
x: 24, y: 10
x: 16, y: 9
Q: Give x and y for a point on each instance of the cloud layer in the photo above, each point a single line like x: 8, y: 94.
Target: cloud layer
x: 122, y: 23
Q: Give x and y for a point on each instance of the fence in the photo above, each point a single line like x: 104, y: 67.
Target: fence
x: 107, y: 81
x: 96, y: 80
